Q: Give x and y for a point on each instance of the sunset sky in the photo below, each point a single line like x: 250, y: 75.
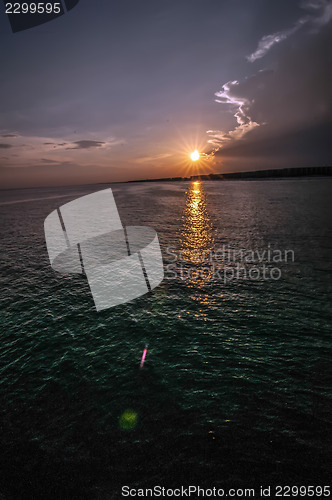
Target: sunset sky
x: 122, y: 90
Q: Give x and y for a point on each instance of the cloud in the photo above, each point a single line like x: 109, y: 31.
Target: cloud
x: 237, y: 95
x: 268, y: 41
x: 46, y: 160
x: 87, y: 144
x: 321, y: 15
x: 276, y: 108
x: 28, y: 151
x: 308, y: 145
x: 321, y: 9
x: 9, y: 135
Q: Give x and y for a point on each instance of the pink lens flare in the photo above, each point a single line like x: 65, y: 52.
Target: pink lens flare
x: 143, y: 356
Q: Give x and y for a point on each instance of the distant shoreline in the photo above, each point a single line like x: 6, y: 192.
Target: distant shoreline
x: 254, y: 174
x: 283, y: 173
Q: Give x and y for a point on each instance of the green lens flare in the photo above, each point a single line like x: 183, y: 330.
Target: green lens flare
x: 128, y: 420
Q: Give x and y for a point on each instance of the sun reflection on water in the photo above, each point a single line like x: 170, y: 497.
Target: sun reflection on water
x: 197, y: 234
x: 197, y: 246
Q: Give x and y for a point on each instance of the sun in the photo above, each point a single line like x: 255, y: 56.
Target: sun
x: 195, y: 155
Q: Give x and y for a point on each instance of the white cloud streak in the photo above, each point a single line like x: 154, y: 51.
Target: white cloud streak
x: 268, y: 41
x: 228, y: 96
x: 321, y: 14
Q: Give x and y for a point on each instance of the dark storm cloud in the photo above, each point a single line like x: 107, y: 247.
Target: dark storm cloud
x: 308, y: 143
x: 5, y: 146
x: 86, y: 144
x: 278, y: 106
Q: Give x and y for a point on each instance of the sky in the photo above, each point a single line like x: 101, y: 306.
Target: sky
x: 122, y: 90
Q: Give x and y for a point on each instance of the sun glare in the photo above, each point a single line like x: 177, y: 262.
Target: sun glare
x: 194, y: 155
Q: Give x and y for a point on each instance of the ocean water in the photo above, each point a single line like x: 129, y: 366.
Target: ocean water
x: 236, y: 387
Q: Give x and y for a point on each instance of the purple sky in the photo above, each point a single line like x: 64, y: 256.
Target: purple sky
x: 114, y: 91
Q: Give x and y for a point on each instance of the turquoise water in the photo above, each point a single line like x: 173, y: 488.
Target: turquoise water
x: 236, y: 387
